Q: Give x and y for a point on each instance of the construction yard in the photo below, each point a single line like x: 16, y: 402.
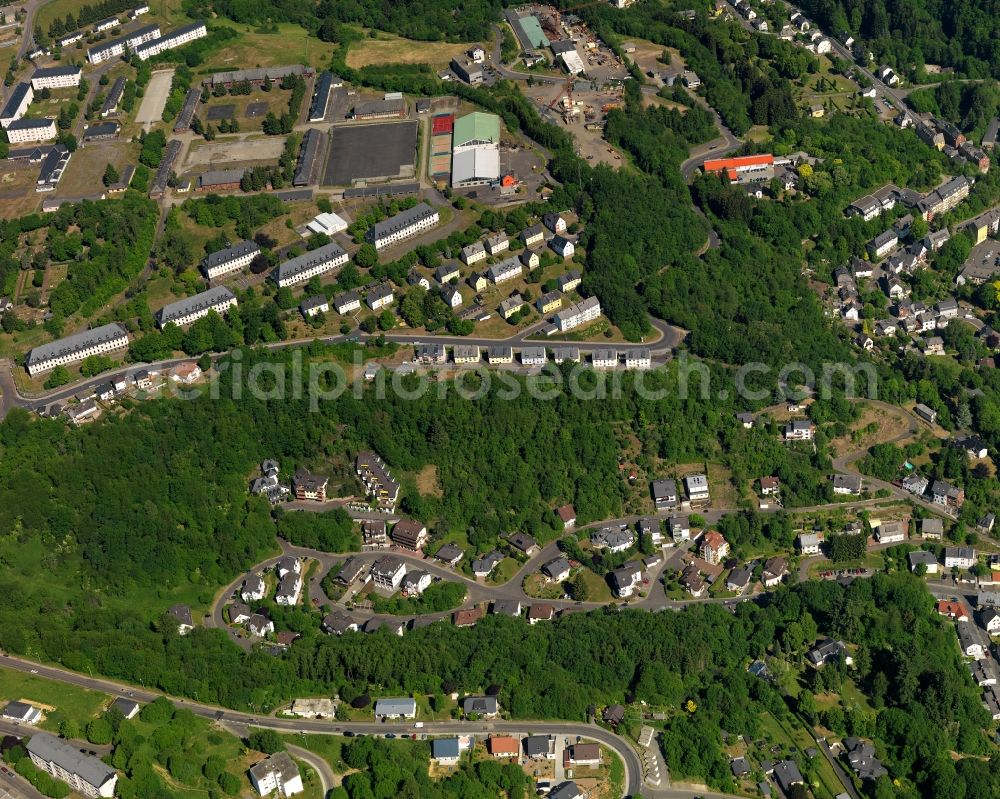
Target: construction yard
x: 580, y: 107
x: 232, y: 153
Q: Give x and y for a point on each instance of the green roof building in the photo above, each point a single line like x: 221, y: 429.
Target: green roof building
x: 475, y: 129
x: 532, y: 31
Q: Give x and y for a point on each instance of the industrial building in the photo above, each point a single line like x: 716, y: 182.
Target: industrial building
x: 475, y: 150
x: 321, y: 97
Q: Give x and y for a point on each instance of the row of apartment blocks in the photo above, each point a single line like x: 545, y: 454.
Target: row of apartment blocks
x: 402, y: 226
x: 146, y: 42
x: 499, y: 354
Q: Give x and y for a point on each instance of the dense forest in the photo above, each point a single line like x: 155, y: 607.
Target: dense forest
x: 912, y: 33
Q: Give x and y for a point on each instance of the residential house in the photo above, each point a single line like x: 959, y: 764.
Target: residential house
x: 826, y: 651
x: 449, y: 554
x: 959, y: 557
x: 557, y: 569
x: 810, y: 543
x: 445, y: 751
x: 799, y: 430
x: 497, y: 243
x: 473, y: 253
x: 537, y: 613
x: 503, y: 746
x: 395, y: 708
x: 533, y: 236
x: 692, y: 582
x: 944, y: 493
x: 467, y: 618
x: 511, y: 305
x: 893, y: 532
x: 626, y: 579
x: 21, y: 713
x: 769, y: 486
x: 927, y: 559
x: 567, y: 515
x: 182, y: 615
x: 613, y: 539
x: 338, y: 623
x: 847, y: 484
x: 309, y: 486
x: 969, y: 641
x: 774, y: 572
x: 259, y: 625
x: 484, y: 566
x: 484, y: 707
x: 932, y: 528
x: 524, y: 543
x: 738, y: 580
x: 562, y: 247
x: 554, y: 222
x: 697, y: 488
x: 416, y: 582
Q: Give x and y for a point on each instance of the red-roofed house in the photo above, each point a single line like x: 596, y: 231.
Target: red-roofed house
x: 953, y: 610
x: 568, y: 515
x: 503, y: 746
x: 713, y: 546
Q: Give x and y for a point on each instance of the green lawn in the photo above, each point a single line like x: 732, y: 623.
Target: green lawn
x: 328, y: 747
x: 70, y: 703
x: 505, y: 571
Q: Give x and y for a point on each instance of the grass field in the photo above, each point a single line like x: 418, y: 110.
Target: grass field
x: 389, y: 49
x: 290, y: 44
x: 70, y: 703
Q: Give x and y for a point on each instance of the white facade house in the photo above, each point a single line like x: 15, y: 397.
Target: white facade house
x: 578, y: 314
x: 106, y: 24
x: 697, y: 487
x: 29, y: 131
x: 100, y: 340
x: 507, y: 269
x: 184, y: 312
x: 380, y: 297
x: 56, y: 78
x: 83, y: 773
x: 231, y: 259
x: 310, y: 264
x: 176, y: 38
x: 402, y: 226
x: 276, y: 774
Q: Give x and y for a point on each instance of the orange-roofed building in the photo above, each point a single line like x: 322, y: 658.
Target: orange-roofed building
x: 744, y: 169
x: 714, y: 547
x: 503, y: 746
x: 953, y: 610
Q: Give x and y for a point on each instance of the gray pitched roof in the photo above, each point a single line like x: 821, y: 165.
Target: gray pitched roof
x: 76, y: 342
x: 198, y: 302
x: 88, y: 768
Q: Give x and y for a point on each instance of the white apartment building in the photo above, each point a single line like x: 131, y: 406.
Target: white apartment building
x: 106, y: 24
x: 135, y: 13
x: 310, y: 264
x: 276, y: 774
x: 184, y: 312
x: 85, y: 774
x: 578, y: 314
x: 380, y: 297
x: 403, y: 225
x: 347, y: 302
x: 115, y: 48
x: 72, y: 38
x: 100, y: 340
x: 388, y: 573
x: 28, y: 131
x: 170, y: 41
x: 17, y: 104
x: 231, y: 259
x: 56, y: 78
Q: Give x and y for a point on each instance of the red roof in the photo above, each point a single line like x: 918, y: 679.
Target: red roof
x: 443, y: 123
x: 952, y: 609
x: 713, y: 539
x: 504, y: 745
x: 567, y: 513
x: 743, y: 162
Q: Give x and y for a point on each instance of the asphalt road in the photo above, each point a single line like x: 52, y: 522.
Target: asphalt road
x: 624, y: 749
x: 667, y: 337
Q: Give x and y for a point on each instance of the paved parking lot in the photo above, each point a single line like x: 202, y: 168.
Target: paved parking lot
x: 155, y: 98
x: 379, y: 150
